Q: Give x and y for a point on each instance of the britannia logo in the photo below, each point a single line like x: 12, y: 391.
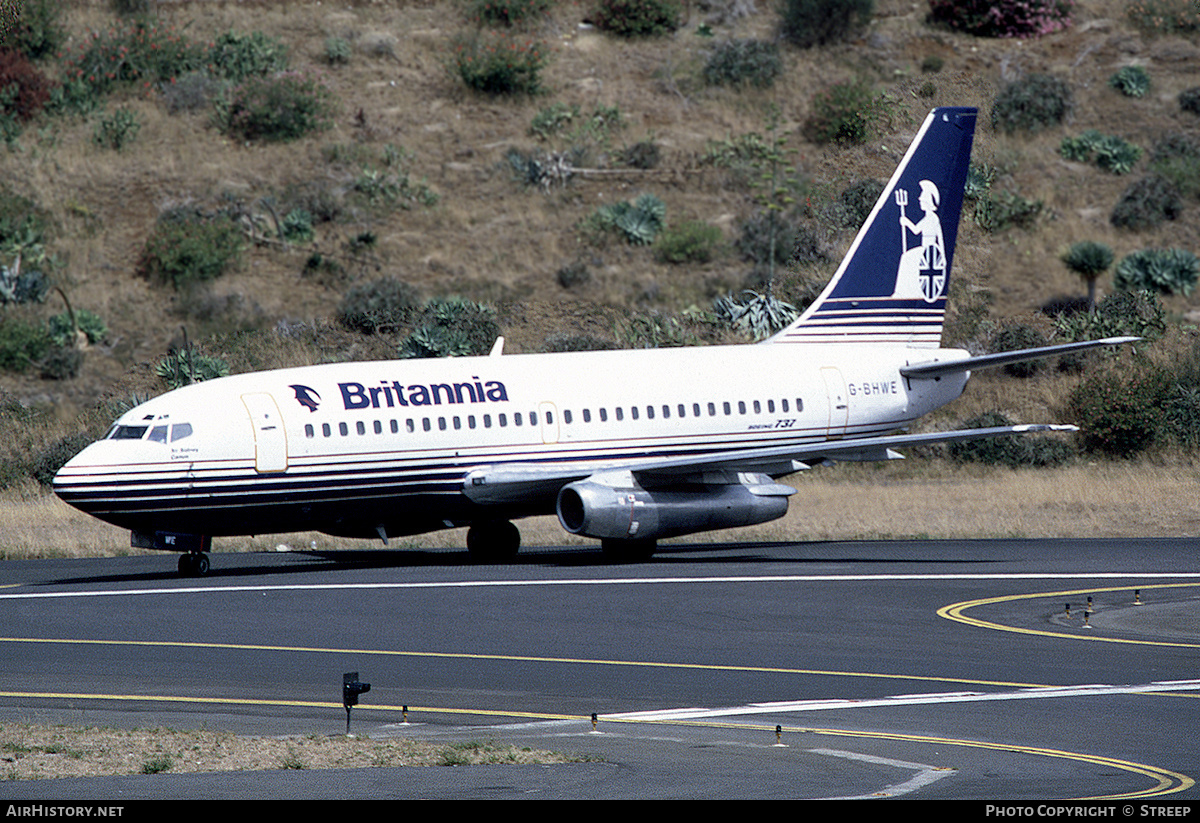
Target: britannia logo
x: 306, y: 397
x: 922, y: 270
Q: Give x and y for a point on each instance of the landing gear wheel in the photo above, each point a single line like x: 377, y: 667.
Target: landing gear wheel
x: 493, y: 542
x: 628, y: 551
x: 193, y: 564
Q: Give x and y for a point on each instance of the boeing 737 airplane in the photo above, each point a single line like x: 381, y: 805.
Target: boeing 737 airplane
x: 625, y: 446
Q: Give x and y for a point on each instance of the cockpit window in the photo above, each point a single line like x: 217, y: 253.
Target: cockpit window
x: 180, y: 431
x: 129, y: 432
x: 158, y: 434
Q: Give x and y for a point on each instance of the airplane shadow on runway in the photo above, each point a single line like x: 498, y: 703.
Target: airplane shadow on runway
x: 261, y: 564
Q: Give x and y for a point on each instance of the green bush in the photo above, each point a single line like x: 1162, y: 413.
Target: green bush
x: 379, y: 307
x: 1033, y: 103
x: 1131, y: 81
x: 238, y: 56
x: 117, y: 130
x: 692, y: 241
x: 1121, y: 314
x: 187, y: 248
x: 1016, y: 451
x: 1088, y: 258
x: 49, y: 460
x: 1119, y: 413
x: 1176, y: 157
x: 808, y: 23
x: 22, y: 344
x: 452, y: 327
x: 277, y: 108
x: 754, y: 242
x: 1189, y: 100
x: 854, y: 204
x: 1146, y: 204
x: 38, y: 32
x: 499, y: 64
x: 1012, y: 336
x: 744, y: 63
x: 337, y: 51
x: 1165, y: 271
x: 507, y: 12
x: 1002, y: 18
x: 1164, y: 16
x: 1004, y: 210
x: 846, y: 112
x: 637, y: 18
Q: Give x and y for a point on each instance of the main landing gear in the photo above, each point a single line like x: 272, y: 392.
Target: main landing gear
x: 193, y: 564
x: 494, y: 541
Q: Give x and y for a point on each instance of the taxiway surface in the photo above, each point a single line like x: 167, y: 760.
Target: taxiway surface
x: 938, y: 669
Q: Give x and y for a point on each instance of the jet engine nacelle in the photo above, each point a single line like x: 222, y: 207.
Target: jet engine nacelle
x: 595, y: 508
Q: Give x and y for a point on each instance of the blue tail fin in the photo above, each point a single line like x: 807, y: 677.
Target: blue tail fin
x: 891, y: 288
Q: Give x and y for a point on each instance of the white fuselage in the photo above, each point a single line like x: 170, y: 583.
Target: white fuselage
x: 352, y: 448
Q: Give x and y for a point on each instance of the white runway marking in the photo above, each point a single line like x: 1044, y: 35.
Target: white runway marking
x: 606, y: 581
x: 788, y: 706
x: 923, y: 777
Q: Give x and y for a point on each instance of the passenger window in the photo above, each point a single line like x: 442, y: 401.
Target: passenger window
x: 633, y: 413
x: 517, y: 419
x: 395, y: 427
x: 426, y: 424
x: 325, y: 430
x: 502, y: 419
x: 695, y: 410
x: 649, y: 412
x: 757, y: 407
x: 533, y: 418
x: 308, y: 430
x: 725, y: 405
x: 741, y: 407
x: 487, y: 421
x: 470, y: 421
x: 620, y: 413
x: 457, y: 421
x: 712, y: 409
x: 771, y: 406
x: 343, y: 429
x: 666, y: 411
x: 566, y: 415
x: 360, y: 427
x: 410, y: 425
x: 378, y: 427
x: 441, y: 424
x: 785, y: 404
x: 604, y: 415
x: 587, y: 415
x: 799, y: 405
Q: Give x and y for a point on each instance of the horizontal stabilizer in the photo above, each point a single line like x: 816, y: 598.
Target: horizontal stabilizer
x: 938, y: 368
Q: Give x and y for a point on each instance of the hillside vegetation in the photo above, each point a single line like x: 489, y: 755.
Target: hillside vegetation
x: 250, y: 170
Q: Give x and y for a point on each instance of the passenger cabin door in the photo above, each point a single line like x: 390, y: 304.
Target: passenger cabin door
x: 839, y: 407
x: 270, y: 439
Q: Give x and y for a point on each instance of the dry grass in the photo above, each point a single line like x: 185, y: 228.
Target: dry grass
x: 916, y: 498
x: 39, y: 752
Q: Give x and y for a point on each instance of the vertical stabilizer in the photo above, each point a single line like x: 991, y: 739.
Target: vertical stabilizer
x: 892, y: 285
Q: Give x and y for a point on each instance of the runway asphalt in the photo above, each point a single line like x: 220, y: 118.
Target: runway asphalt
x: 922, y: 670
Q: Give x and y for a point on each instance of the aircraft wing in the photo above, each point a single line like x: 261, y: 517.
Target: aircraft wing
x: 938, y: 368
x: 505, y: 483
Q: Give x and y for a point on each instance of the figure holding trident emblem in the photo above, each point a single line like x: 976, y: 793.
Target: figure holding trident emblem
x: 922, y: 271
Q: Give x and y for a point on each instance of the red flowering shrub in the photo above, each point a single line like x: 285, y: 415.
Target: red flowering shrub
x: 495, y: 63
x: 1003, y: 18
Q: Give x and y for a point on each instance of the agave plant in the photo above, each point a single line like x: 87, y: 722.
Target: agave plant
x: 1131, y: 81
x: 1166, y: 271
x: 638, y: 221
x: 18, y: 286
x: 754, y: 314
